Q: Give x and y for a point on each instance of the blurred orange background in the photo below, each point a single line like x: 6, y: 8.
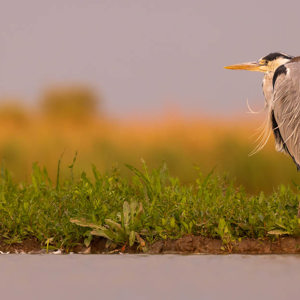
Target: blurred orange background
x: 68, y: 119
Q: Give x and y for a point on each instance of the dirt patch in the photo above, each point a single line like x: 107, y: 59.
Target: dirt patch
x: 27, y: 246
x: 189, y: 244
x: 198, y: 244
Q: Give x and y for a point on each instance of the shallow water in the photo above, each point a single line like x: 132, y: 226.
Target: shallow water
x: 150, y: 277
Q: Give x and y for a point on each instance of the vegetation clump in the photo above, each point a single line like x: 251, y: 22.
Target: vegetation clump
x: 149, y: 206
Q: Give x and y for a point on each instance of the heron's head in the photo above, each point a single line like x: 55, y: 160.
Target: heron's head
x: 266, y: 64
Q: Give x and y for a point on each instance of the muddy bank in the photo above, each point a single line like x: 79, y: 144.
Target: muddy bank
x: 198, y: 244
x: 186, y: 245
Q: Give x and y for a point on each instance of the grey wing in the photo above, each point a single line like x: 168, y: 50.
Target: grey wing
x: 286, y: 110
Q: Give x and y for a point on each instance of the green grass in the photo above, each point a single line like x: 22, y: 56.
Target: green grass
x: 149, y: 206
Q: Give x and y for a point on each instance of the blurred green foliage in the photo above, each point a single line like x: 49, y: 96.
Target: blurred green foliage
x: 68, y: 120
x: 13, y: 112
x: 107, y: 145
x: 71, y: 102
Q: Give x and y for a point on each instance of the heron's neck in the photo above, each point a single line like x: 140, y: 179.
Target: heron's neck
x: 268, y: 87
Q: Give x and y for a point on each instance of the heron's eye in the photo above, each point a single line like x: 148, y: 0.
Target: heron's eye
x: 263, y: 62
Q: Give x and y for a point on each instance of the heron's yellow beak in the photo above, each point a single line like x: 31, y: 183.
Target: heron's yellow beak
x: 249, y: 66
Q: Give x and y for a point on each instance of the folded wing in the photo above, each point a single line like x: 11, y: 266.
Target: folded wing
x: 286, y: 109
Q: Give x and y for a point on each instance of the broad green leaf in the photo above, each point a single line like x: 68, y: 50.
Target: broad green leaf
x: 84, y: 223
x: 126, y: 211
x: 102, y: 233
x: 114, y: 225
x: 131, y: 238
x: 278, y: 232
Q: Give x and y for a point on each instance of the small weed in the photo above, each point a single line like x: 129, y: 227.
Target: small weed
x: 122, y: 232
x: 224, y: 233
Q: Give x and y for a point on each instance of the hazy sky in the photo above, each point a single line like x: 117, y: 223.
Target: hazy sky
x: 144, y: 55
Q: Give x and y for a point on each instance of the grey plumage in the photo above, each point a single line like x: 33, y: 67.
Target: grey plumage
x: 285, y: 109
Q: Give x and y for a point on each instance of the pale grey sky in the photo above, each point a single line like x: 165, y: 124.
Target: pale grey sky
x: 142, y: 54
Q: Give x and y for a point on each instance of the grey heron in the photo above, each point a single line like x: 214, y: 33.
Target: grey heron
x: 281, y: 88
